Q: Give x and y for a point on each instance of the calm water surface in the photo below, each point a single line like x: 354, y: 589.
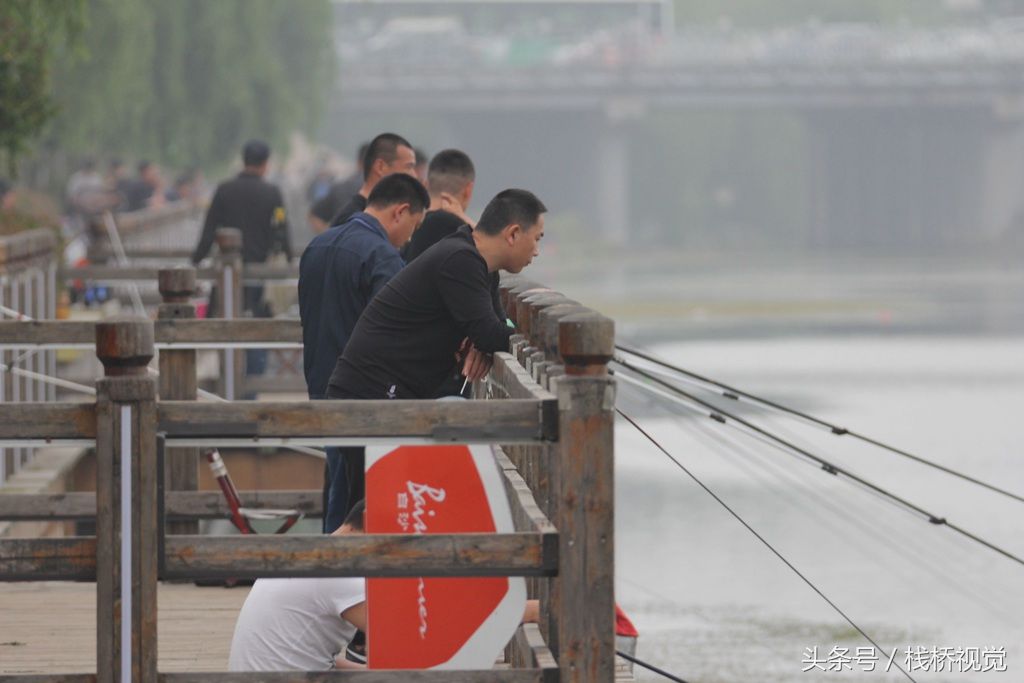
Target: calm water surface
x: 928, y: 356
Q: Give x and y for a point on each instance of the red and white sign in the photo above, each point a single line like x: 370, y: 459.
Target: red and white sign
x: 438, y: 623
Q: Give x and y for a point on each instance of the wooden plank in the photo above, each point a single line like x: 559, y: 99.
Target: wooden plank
x: 387, y: 555
x: 275, y: 384
x: 32, y: 332
x: 47, y: 332
x: 125, y: 273
x: 217, y: 330
x: 211, y: 504
x: 515, y: 380
x: 169, y: 253
x: 46, y: 559
x: 366, y: 676
x: 265, y: 271
x: 529, y: 642
x: 47, y: 421
x: 526, y: 514
x: 180, y: 504
x: 178, y: 381
x: 49, y: 678
x: 454, y: 421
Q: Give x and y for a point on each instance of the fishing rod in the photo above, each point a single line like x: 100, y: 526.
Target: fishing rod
x: 725, y: 417
x: 739, y: 395
x: 764, y: 541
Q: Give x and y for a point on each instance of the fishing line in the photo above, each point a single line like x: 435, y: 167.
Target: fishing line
x: 764, y: 541
x: 725, y: 417
x: 649, y: 667
x: 738, y: 395
x: 922, y: 555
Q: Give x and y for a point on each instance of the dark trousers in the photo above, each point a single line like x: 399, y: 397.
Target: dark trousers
x: 254, y: 305
x: 344, y: 483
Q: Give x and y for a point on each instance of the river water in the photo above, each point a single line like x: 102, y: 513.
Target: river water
x: 925, y: 355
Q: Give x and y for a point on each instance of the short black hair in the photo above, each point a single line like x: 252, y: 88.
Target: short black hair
x: 354, y: 518
x: 384, y: 146
x: 255, y: 153
x: 399, y: 188
x: 450, y: 171
x: 508, y: 207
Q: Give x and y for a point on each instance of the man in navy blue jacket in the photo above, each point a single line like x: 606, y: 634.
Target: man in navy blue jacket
x: 340, y: 272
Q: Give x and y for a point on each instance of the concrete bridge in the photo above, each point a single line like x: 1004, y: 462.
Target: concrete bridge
x: 916, y: 136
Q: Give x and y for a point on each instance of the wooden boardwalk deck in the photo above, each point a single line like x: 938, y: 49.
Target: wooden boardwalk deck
x: 50, y: 627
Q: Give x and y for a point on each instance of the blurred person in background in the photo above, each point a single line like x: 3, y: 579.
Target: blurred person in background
x: 186, y: 186
x: 146, y: 190
x: 422, y: 159
x: 256, y: 207
x: 7, y: 196
x: 337, y: 195
x: 118, y: 181
x: 388, y: 153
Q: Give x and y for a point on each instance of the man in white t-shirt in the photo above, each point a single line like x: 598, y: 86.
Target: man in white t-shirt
x: 301, y: 624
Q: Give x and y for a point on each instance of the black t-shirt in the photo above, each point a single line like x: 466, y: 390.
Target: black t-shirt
x: 436, y: 226
x: 405, y: 342
x: 351, y: 208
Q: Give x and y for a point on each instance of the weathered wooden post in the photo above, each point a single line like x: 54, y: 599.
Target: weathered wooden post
x: 229, y: 261
x: 126, y: 505
x: 178, y: 381
x: 582, y: 481
x: 549, y: 320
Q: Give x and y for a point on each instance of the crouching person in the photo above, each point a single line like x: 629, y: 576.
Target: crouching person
x: 306, y: 624
x: 301, y: 624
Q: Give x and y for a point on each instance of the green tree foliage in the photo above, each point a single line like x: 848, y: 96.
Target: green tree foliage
x: 28, y: 31
x: 185, y: 82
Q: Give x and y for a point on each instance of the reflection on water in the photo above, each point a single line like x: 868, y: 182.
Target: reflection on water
x: 713, y: 604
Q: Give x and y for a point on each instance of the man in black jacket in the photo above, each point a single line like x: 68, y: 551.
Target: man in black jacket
x: 255, y: 207
x: 252, y: 205
x: 439, y: 308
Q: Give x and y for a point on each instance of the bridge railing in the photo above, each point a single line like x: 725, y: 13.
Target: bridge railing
x: 558, y: 472
x: 228, y: 276
x: 28, y: 289
x: 166, y: 232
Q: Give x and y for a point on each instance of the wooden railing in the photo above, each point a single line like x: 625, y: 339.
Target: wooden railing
x: 550, y: 407
x: 229, y: 277
x: 28, y: 288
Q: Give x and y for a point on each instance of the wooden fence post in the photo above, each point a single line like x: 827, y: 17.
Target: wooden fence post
x: 126, y: 505
x: 583, y: 488
x: 178, y: 381
x: 229, y: 260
